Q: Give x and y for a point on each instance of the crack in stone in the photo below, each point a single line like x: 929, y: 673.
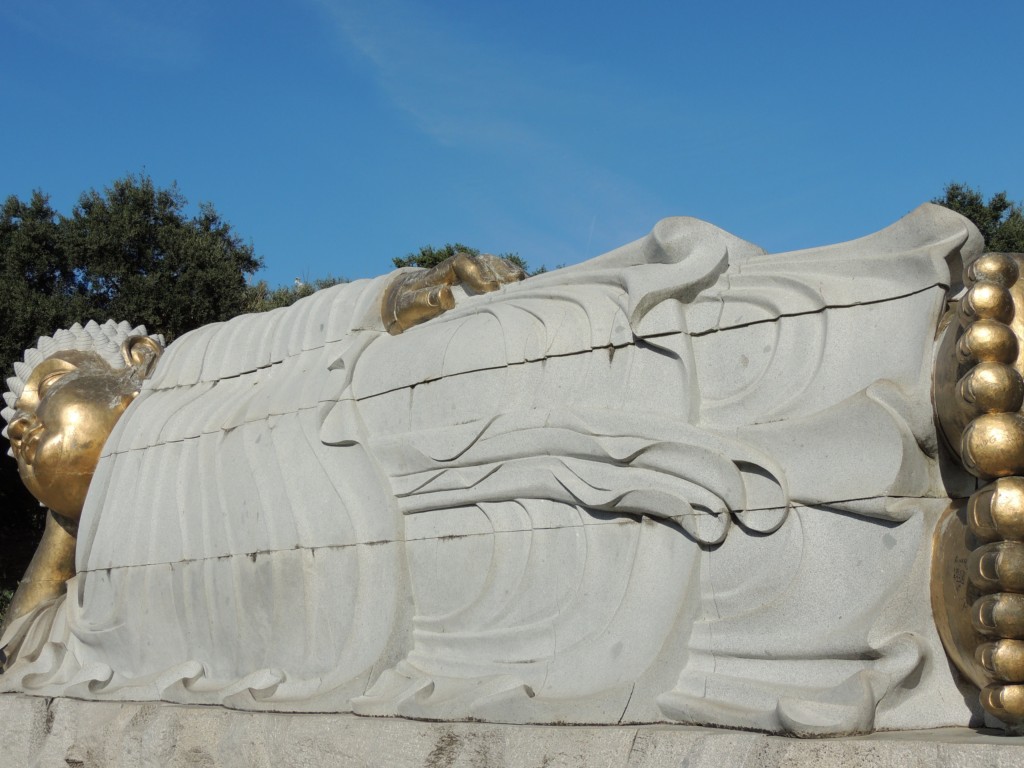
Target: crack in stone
x: 534, y: 361
x: 590, y: 350
x: 616, y: 518
x: 818, y: 311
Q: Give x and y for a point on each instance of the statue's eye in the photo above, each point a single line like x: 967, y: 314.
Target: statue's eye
x: 49, y: 381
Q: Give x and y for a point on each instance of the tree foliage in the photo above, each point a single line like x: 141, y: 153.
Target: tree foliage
x: 139, y: 256
x: 1000, y: 220
x: 128, y: 253
x: 429, y: 256
x: 262, y: 297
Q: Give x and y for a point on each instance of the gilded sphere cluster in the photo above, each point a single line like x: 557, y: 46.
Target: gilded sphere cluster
x: 992, y: 445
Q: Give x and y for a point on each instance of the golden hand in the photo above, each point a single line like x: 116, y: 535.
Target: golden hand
x: 415, y: 297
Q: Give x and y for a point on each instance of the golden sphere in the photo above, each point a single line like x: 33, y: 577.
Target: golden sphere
x: 992, y: 388
x: 997, y: 566
x: 994, y: 267
x: 986, y: 301
x: 1004, y: 701
x: 993, y: 445
x: 1004, y: 659
x: 997, y: 510
x: 999, y: 615
x: 988, y: 341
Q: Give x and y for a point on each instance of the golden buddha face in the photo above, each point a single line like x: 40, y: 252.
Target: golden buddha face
x: 69, y: 407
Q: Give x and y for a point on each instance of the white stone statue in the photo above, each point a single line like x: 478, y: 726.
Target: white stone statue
x: 684, y: 481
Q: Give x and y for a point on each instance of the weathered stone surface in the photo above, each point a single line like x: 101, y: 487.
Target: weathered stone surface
x: 58, y: 733
x: 686, y: 481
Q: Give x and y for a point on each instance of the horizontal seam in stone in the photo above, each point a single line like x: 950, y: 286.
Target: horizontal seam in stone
x: 322, y: 403
x: 258, y: 552
x: 694, y: 334
x: 622, y: 518
x: 229, y: 377
x: 587, y: 351
x: 827, y: 307
x: 217, y: 431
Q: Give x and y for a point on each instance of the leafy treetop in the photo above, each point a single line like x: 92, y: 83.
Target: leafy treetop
x: 130, y: 252
x: 428, y: 256
x: 262, y: 297
x: 1000, y: 220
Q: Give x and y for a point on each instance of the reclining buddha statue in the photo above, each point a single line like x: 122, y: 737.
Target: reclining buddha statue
x: 684, y: 481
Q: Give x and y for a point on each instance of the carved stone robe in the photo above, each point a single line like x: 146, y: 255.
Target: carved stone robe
x: 685, y: 480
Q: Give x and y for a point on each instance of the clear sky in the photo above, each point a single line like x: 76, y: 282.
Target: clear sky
x: 336, y: 134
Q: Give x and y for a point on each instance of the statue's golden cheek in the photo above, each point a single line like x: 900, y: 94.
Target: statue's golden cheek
x: 76, y: 419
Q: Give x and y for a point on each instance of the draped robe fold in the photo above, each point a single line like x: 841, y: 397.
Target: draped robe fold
x: 683, y: 480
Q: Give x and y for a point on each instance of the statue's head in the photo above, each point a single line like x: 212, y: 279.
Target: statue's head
x: 64, y: 401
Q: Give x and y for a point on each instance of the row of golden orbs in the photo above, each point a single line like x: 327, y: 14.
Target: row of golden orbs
x: 992, y: 446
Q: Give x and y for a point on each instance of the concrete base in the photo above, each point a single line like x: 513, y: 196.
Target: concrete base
x: 62, y: 732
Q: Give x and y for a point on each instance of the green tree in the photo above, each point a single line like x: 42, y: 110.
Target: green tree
x: 139, y: 255
x: 128, y: 253
x: 1000, y: 220
x: 262, y: 297
x: 429, y: 256
x: 39, y: 286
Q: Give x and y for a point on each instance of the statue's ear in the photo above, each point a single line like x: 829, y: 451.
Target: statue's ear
x: 141, y: 353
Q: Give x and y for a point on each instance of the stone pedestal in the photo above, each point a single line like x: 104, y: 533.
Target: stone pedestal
x: 63, y: 732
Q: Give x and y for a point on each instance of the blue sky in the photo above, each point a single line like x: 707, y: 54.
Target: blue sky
x: 336, y: 134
